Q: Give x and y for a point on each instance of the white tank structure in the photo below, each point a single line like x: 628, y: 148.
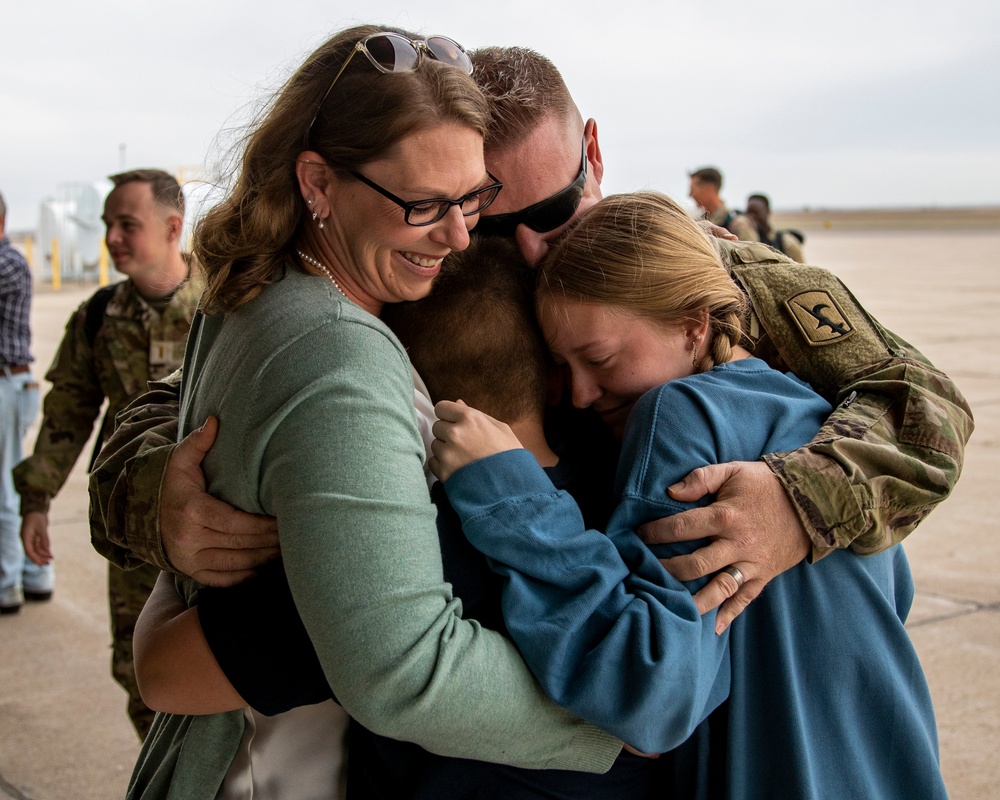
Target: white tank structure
x: 73, y: 221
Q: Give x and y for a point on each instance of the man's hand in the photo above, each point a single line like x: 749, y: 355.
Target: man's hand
x: 753, y: 527
x: 35, y: 535
x: 717, y: 231
x: 203, y: 537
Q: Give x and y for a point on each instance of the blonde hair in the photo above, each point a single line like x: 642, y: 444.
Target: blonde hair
x: 642, y: 254
x: 243, y: 241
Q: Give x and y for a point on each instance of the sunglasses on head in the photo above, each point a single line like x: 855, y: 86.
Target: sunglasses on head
x: 545, y: 215
x: 393, y: 52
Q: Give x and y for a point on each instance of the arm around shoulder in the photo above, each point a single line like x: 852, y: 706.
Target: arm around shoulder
x: 893, y: 447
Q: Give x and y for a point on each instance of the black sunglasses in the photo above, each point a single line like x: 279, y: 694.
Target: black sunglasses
x: 545, y: 215
x: 426, y: 212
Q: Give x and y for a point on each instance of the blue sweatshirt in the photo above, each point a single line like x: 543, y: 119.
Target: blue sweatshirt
x: 820, y: 704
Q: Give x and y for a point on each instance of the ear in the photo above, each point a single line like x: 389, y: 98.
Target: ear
x: 698, y: 325
x: 594, y: 150
x: 315, y: 177
x: 175, y: 225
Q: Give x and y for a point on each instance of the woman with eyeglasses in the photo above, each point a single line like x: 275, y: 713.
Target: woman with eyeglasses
x: 364, y: 173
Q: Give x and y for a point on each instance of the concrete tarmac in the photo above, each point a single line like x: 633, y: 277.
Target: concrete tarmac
x: 63, y: 728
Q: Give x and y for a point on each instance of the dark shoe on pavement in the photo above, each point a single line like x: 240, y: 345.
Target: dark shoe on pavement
x: 37, y: 597
x: 5, y: 610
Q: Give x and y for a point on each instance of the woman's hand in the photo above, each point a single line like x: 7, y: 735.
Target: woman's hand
x: 463, y: 435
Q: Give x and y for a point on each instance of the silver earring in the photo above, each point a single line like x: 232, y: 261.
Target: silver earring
x: 694, y: 349
x: 309, y: 202
x: 321, y: 224
x: 314, y: 216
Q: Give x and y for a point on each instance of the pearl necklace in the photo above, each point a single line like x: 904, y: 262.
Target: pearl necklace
x: 310, y: 260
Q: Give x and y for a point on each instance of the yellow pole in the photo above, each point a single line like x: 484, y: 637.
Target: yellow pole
x: 103, y: 265
x: 56, y: 275
x: 29, y: 252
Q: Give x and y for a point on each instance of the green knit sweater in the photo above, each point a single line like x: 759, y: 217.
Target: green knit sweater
x: 315, y: 398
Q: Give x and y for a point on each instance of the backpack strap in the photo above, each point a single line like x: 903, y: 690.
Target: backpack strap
x: 92, y: 321
x: 96, y: 307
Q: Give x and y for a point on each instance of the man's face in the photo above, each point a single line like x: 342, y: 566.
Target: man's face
x: 701, y: 192
x: 140, y: 233
x: 757, y: 211
x: 541, y: 166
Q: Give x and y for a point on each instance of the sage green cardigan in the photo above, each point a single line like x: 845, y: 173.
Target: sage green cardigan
x: 315, y: 399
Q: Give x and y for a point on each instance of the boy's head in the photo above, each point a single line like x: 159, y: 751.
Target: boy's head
x: 475, y: 337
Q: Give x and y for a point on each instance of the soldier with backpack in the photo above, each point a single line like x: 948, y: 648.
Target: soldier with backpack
x: 788, y: 240
x: 118, y: 340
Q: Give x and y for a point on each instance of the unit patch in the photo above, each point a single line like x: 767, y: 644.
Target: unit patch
x: 819, y: 318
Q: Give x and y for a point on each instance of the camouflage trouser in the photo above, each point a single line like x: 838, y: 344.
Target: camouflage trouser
x: 127, y: 594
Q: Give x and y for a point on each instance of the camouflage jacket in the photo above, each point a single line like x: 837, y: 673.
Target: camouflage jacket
x: 891, y: 450
x: 894, y: 445
x: 133, y: 345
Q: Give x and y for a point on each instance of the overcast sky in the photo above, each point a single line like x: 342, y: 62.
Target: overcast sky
x: 845, y: 104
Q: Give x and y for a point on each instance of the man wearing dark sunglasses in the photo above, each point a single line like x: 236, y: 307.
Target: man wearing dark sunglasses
x: 846, y: 490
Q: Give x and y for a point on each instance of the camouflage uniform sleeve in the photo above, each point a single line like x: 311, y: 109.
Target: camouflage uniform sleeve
x: 126, y: 479
x: 894, y: 445
x: 68, y: 414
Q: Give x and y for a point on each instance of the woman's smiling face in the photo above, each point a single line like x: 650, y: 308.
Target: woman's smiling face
x: 375, y: 255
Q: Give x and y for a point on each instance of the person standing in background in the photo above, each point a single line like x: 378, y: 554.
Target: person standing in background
x: 20, y: 578
x: 788, y: 241
x: 706, y: 183
x: 118, y: 340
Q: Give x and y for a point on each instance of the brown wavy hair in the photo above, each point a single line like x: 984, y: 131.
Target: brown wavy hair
x: 643, y: 254
x: 243, y: 242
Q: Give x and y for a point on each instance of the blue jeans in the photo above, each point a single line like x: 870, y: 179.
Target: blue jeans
x: 19, y: 401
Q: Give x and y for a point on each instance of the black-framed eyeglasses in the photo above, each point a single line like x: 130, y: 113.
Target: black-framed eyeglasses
x: 427, y: 212
x: 545, y: 215
x: 393, y: 52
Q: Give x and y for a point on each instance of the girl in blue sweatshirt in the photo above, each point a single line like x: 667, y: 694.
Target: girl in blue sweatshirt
x: 815, y: 691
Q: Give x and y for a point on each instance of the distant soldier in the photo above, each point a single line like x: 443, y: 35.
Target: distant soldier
x: 118, y: 340
x: 787, y: 240
x: 20, y: 579
x: 706, y: 183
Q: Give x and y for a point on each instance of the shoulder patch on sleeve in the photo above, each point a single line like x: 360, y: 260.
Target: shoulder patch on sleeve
x: 819, y: 318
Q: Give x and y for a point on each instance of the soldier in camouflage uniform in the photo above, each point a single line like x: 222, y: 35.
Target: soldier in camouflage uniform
x: 706, y: 183
x: 788, y: 241
x: 116, y: 342
x: 891, y: 450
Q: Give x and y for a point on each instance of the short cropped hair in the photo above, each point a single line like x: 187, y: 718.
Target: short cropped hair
x: 708, y: 175
x: 475, y: 337
x: 763, y: 198
x: 523, y: 88
x: 166, y: 191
